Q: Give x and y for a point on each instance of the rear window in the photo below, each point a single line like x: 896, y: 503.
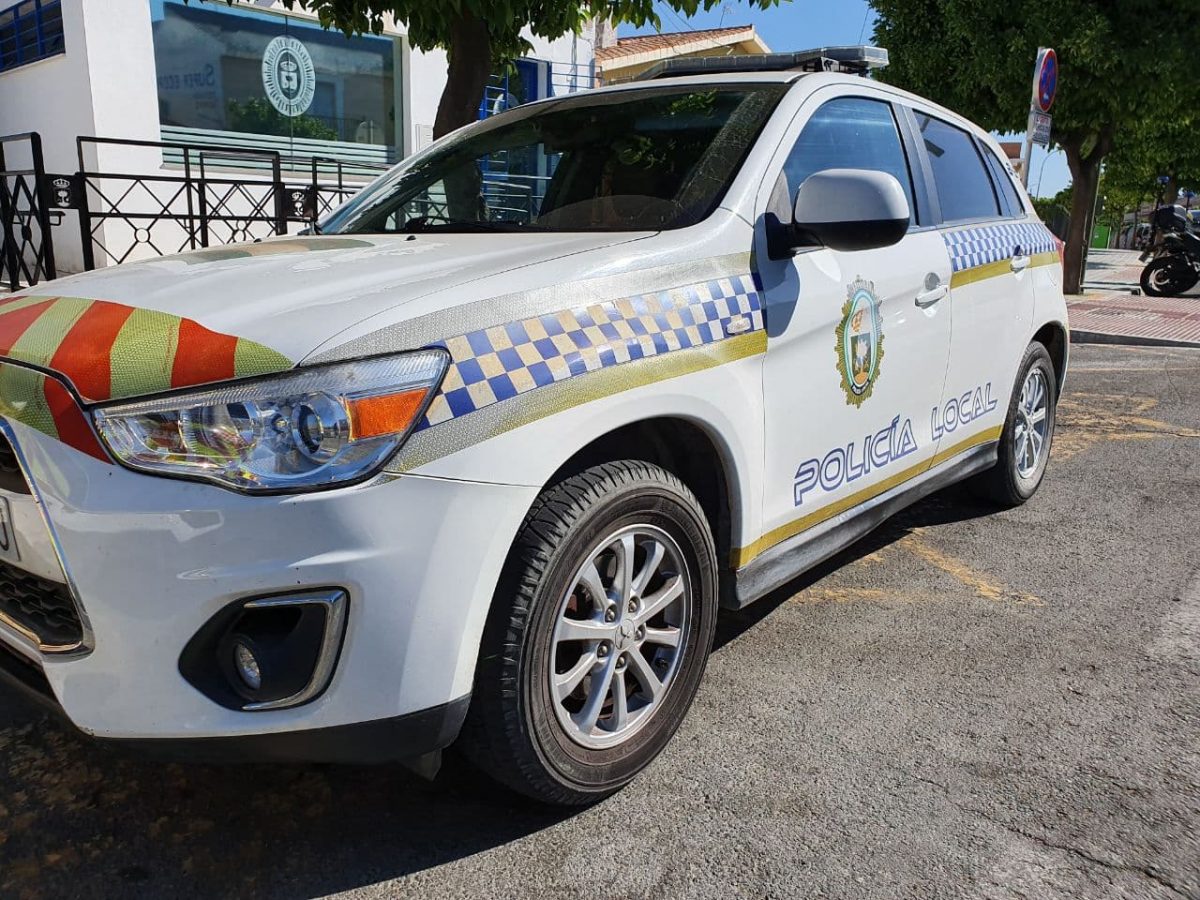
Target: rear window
x: 1009, y: 198
x: 963, y: 186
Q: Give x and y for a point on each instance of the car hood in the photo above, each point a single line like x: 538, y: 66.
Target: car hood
x: 246, y: 309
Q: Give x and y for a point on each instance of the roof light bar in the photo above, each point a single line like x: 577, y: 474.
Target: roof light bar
x: 857, y: 60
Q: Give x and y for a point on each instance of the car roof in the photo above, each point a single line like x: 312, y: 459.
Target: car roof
x: 815, y: 80
x: 713, y: 78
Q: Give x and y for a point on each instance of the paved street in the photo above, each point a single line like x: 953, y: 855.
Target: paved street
x: 968, y: 704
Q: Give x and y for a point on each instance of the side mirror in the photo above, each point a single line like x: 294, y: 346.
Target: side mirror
x: 849, y: 209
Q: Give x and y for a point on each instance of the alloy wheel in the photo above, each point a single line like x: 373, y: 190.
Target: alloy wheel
x: 1029, y: 431
x: 619, y: 636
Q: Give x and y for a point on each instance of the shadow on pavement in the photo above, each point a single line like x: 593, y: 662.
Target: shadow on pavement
x: 78, y: 818
x: 952, y: 504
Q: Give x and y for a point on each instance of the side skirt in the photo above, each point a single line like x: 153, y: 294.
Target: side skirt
x: 795, y: 556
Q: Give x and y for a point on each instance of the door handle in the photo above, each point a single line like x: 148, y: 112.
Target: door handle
x: 1020, y: 260
x: 932, y: 294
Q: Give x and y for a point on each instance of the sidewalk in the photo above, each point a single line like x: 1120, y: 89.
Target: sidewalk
x: 1112, y: 269
x: 1112, y: 309
x: 1123, y: 318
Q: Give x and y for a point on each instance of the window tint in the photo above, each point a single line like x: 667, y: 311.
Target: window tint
x: 963, y: 186
x: 1009, y: 197
x: 849, y: 133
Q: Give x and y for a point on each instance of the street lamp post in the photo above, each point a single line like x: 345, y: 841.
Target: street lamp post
x: 1042, y: 168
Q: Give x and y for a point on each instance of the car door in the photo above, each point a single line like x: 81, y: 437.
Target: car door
x: 857, y: 341
x: 991, y: 249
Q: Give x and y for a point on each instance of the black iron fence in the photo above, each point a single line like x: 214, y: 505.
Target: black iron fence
x: 26, y: 246
x: 165, y: 197
x: 201, y: 196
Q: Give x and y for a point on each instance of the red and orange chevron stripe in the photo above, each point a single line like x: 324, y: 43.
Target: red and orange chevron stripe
x: 108, y: 351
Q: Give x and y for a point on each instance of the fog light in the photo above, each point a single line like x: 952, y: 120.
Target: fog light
x: 268, y: 653
x: 247, y: 665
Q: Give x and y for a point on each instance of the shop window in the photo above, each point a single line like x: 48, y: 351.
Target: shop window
x: 30, y: 31
x: 275, y: 82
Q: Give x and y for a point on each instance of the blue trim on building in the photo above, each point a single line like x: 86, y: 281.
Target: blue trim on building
x: 30, y: 31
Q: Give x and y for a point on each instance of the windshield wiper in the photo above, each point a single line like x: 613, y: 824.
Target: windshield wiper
x: 465, y: 226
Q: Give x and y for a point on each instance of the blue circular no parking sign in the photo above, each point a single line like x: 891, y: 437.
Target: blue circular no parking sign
x: 1047, y: 80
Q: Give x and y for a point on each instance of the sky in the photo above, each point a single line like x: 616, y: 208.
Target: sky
x: 801, y: 24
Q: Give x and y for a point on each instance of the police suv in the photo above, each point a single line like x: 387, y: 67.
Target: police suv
x: 477, y: 460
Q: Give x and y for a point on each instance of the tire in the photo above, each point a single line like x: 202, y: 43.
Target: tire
x: 1012, y: 480
x: 518, y: 730
x: 1168, y: 276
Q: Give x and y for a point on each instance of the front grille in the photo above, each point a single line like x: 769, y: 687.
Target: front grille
x: 40, y: 606
x: 12, y: 479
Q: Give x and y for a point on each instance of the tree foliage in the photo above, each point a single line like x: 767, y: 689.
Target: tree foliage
x: 1122, y: 64
x: 1166, y: 147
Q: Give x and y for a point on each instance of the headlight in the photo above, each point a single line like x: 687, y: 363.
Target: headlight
x: 309, y: 428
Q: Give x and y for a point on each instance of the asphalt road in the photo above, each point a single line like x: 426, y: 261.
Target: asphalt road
x: 968, y: 704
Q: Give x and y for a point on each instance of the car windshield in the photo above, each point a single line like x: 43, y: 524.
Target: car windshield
x: 639, y: 160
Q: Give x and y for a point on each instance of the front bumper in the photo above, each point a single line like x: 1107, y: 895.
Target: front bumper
x: 152, y: 559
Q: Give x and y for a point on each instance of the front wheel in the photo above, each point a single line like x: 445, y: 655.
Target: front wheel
x: 598, y: 635
x: 1028, y: 433
x: 1168, y: 276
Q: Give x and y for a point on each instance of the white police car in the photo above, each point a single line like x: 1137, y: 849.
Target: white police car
x: 479, y: 461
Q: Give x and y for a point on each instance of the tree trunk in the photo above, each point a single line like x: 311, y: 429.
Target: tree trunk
x: 470, y: 64
x: 1085, y: 178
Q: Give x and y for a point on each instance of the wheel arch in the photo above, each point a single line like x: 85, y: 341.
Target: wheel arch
x: 688, y: 450
x: 1055, y: 338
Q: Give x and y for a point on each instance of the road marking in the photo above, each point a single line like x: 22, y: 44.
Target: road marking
x: 843, y: 595
x: 916, y: 543
x: 981, y: 584
x: 1085, y: 420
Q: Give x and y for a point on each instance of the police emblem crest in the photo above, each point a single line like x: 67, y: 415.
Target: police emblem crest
x: 288, y: 75
x: 859, y: 342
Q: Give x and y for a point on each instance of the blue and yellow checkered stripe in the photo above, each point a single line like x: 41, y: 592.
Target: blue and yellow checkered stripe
x: 503, y: 361
x: 982, y: 245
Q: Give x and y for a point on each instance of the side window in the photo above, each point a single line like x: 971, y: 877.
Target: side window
x: 1009, y: 197
x: 849, y: 133
x: 963, y: 186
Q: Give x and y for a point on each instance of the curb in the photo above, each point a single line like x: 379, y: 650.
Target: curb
x: 1127, y: 340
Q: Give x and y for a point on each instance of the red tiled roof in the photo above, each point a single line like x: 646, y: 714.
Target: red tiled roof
x: 673, y: 40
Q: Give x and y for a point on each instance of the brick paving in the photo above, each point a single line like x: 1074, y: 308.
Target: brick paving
x: 1113, y: 310
x: 1111, y: 317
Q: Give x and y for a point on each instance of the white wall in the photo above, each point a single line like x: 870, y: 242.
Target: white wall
x: 103, y: 84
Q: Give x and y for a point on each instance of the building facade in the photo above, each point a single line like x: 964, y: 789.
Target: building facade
x: 626, y: 58
x: 209, y: 74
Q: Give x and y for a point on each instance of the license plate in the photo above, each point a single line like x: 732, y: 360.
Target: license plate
x: 8, y: 534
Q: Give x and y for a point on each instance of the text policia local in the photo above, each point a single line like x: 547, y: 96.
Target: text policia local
x: 894, y: 441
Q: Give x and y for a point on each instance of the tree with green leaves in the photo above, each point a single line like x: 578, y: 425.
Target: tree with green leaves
x: 1122, y: 63
x: 1165, y: 147
x: 483, y: 36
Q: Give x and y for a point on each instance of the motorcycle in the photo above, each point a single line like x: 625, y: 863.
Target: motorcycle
x: 1174, y: 256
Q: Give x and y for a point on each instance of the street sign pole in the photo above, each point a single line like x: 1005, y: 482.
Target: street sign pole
x: 1027, y: 152
x: 1037, y: 127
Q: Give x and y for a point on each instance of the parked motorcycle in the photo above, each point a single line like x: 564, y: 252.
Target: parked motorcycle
x: 1174, y: 257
